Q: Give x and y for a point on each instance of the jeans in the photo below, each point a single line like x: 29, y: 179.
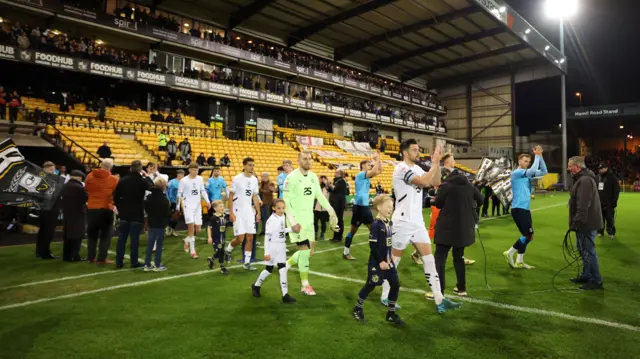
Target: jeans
x: 156, y: 237
x: 441, y: 254
x: 100, y: 226
x: 128, y: 228
x: 585, y: 240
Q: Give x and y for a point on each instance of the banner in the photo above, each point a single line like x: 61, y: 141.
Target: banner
x: 310, y: 141
x: 23, y: 183
x: 496, y: 174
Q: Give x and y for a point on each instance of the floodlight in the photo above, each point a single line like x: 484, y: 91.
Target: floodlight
x: 561, y: 9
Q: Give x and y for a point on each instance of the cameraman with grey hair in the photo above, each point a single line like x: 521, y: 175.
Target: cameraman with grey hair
x: 585, y: 218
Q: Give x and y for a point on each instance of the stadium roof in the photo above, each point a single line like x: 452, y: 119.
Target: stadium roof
x: 438, y: 40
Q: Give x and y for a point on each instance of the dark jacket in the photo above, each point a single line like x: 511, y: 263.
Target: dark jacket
x: 584, y: 204
x: 172, y: 147
x: 129, y: 196
x: 339, y: 192
x: 74, y: 209
x: 608, y: 189
x: 104, y: 151
x: 158, y: 208
x: 457, y: 199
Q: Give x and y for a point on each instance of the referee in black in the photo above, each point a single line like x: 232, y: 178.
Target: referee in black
x: 338, y: 199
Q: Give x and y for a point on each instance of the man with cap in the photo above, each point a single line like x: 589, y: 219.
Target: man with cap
x: 609, y: 191
x: 74, y: 209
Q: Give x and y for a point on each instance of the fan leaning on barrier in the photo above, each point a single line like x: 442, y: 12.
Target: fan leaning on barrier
x: 496, y: 173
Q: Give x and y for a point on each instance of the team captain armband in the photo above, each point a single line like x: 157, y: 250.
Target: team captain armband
x: 407, y: 174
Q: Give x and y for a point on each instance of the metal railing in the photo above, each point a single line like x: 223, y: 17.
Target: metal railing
x: 69, y: 146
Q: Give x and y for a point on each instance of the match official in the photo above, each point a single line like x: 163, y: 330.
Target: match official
x: 585, y: 218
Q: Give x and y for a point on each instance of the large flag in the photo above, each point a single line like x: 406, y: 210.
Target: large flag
x: 496, y: 174
x: 24, y: 184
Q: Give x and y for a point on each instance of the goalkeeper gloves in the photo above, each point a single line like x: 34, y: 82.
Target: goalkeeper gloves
x: 333, y: 220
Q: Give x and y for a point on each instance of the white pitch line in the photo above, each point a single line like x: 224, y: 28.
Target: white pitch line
x: 516, y: 308
x: 108, y: 289
x: 63, y: 279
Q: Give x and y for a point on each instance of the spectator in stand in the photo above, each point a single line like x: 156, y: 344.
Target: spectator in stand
x: 133, y: 105
x: 3, y: 103
x: 128, y: 199
x: 104, y: 151
x: 266, y: 191
x: 178, y: 118
x: 211, y: 161
x: 14, y: 106
x: 48, y: 117
x: 158, y: 209
x: 23, y: 40
x: 100, y: 184
x: 201, y: 160
x: 162, y: 141
x: 102, y: 109
x: 185, y: 150
x: 170, y: 118
x: 63, y: 102
x: 383, y: 145
x: 74, y: 209
x: 225, y: 161
x: 172, y: 151
x: 379, y: 189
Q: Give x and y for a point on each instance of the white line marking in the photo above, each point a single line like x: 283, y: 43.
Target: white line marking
x: 506, y: 306
x: 64, y: 278
x: 107, y: 289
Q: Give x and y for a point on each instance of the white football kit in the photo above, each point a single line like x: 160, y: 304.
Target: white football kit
x: 275, y: 240
x: 243, y: 189
x: 191, y: 191
x: 408, y: 224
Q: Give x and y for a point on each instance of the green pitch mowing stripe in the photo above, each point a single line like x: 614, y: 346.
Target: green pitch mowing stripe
x: 504, y: 306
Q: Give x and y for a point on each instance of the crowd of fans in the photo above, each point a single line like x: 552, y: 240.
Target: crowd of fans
x: 145, y: 17
x: 623, y: 164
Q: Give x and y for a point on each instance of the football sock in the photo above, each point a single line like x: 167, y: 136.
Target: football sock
x: 192, y: 244
x: 283, y: 281
x: 229, y: 248
x: 303, y: 266
x: 431, y: 274
x: 293, y: 260
x: 520, y: 258
x: 347, y: 242
x: 247, y: 257
x: 263, y: 275
x: 512, y: 251
x: 346, y: 251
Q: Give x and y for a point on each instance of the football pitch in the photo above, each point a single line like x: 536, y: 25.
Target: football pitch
x: 53, y: 309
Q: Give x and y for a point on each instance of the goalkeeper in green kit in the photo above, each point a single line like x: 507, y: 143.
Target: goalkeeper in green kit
x: 301, y: 188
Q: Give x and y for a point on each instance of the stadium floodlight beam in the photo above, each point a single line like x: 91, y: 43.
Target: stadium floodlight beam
x: 562, y: 9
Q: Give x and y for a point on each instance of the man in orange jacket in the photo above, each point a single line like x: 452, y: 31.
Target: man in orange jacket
x: 100, y: 184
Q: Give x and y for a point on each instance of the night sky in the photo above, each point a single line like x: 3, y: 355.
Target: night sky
x: 601, y: 43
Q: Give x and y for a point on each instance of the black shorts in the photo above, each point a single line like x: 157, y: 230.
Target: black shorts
x: 376, y: 276
x: 361, y: 215
x: 522, y: 217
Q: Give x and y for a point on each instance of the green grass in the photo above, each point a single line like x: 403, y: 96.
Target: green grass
x: 207, y: 315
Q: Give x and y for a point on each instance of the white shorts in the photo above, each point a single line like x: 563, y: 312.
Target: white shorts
x: 278, y: 253
x: 405, y: 232
x: 244, y: 224
x: 193, y: 215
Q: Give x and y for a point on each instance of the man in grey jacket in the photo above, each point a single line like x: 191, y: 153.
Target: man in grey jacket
x: 585, y: 218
